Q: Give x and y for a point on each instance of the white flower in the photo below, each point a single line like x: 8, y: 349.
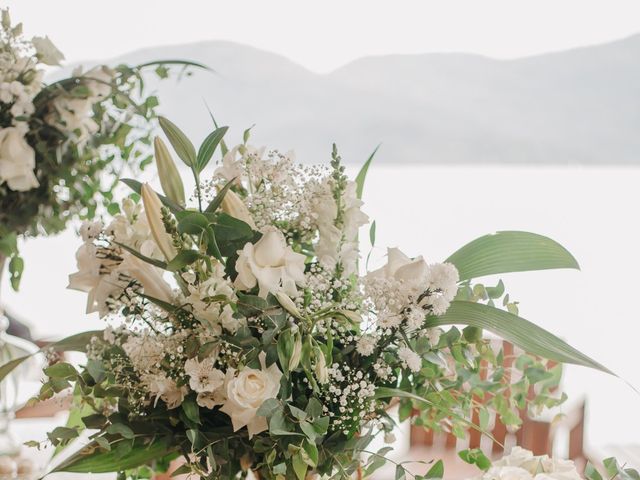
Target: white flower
x: 366, y: 345
x: 233, y: 205
x: 90, y: 230
x: 17, y: 161
x: 506, y: 473
x: 247, y: 391
x: 144, y: 351
x: 271, y: 264
x: 73, y: 115
x: 46, y: 51
x: 338, y: 244
x: 519, y: 457
x: 402, y: 268
x: 98, y: 80
x: 147, y: 275
x: 444, y: 277
x: 94, y: 277
x: 410, y: 359
x: 231, y: 167
x: 166, y: 389
x: 203, y: 377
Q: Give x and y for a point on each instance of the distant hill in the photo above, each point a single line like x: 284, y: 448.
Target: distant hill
x: 580, y: 106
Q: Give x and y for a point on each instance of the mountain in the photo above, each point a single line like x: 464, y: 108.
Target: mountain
x: 579, y: 106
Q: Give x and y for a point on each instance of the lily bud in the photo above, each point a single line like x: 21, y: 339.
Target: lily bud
x: 148, y: 276
x: 294, y: 361
x: 152, y: 208
x: 286, y: 303
x: 322, y: 373
x: 170, y: 180
x: 233, y: 205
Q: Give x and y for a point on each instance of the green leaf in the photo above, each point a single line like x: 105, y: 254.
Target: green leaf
x: 437, y: 471
x: 179, y: 141
x: 91, y: 459
x: 61, y: 370
x: 16, y: 267
x: 74, y: 343
x: 514, y: 329
x: 121, y: 429
x: 591, y: 472
x: 191, y: 410
x: 208, y: 147
x: 362, y: 174
x: 215, y: 203
x: 136, y: 186
x: 182, y: 259
x: 299, y: 466
x: 512, y: 251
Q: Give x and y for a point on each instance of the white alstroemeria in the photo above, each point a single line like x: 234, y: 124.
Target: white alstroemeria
x: 247, y: 391
x: 203, y: 376
x: 153, y: 211
x: 17, y: 160
x: 271, y: 264
x: 233, y: 205
x: 90, y: 230
x: 46, y: 51
x: 166, y: 389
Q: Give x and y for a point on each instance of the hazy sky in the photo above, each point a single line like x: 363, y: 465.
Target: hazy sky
x: 323, y: 35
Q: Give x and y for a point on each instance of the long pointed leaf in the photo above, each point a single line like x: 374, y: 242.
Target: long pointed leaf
x: 74, y: 343
x: 362, y: 174
x: 215, y: 203
x: 92, y: 459
x: 208, y: 147
x: 512, y: 251
x: 516, y: 330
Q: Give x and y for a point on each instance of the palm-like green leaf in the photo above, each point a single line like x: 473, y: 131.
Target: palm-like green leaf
x: 516, y: 330
x: 92, y: 459
x: 513, y: 251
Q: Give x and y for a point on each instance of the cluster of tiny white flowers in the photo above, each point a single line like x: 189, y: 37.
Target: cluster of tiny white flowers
x: 348, y: 398
x: 409, y: 359
x: 210, y: 300
x: 325, y: 290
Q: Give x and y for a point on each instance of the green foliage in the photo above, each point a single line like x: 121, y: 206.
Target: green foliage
x: 504, y: 252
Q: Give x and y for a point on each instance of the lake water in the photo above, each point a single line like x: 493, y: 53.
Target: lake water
x: 433, y: 211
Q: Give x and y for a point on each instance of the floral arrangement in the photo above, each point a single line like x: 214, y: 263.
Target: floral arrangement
x: 243, y: 332
x: 521, y: 464
x: 63, y: 146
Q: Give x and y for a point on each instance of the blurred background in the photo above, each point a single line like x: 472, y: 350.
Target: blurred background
x: 491, y: 115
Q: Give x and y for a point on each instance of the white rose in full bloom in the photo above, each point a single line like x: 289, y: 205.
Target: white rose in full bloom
x: 47, y: 52
x: 519, y: 457
x: 17, y: 161
x: 271, y: 264
x: 247, y: 391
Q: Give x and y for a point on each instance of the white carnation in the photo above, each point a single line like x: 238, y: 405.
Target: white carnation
x: 366, y: 345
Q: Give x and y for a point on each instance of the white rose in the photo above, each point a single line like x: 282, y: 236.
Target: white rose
x: 17, y: 161
x: 271, y: 264
x: 506, y: 473
x: 247, y: 391
x: 47, y: 52
x: 519, y: 457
